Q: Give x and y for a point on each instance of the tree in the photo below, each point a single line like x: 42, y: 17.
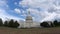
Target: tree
x: 11, y: 22
x: 44, y: 24
x: 56, y: 23
x: 6, y: 23
x: 16, y: 24
x: 59, y: 23
x: 1, y: 22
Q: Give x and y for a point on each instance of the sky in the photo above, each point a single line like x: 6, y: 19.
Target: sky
x: 40, y: 10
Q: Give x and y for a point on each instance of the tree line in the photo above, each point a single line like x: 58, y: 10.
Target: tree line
x: 11, y: 23
x: 55, y: 23
x: 14, y: 24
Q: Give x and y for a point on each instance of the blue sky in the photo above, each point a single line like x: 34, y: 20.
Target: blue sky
x: 41, y: 10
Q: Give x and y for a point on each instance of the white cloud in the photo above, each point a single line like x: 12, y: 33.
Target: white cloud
x: 6, y: 16
x: 36, y: 3
x: 48, y: 9
x: 3, y: 13
x: 17, y: 10
x: 3, y: 4
x: 50, y: 17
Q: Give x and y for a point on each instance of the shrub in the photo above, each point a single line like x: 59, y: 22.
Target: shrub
x: 44, y: 24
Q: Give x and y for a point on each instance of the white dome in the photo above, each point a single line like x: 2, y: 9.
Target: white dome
x: 29, y: 21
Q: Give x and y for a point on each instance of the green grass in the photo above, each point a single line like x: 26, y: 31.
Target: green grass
x: 7, y: 30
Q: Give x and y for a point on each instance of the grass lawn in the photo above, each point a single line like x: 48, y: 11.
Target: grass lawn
x: 6, y: 30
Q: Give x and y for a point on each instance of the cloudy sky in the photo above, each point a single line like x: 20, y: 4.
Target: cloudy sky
x: 40, y: 10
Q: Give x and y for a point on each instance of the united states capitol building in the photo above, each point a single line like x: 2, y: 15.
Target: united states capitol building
x: 29, y: 23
